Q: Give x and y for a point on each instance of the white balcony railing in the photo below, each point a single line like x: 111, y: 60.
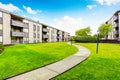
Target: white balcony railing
x: 45, y: 36
x: 17, y: 34
x: 116, y: 25
x: 19, y: 23
x: 45, y: 30
x: 115, y: 18
x: 1, y: 20
x: 1, y: 32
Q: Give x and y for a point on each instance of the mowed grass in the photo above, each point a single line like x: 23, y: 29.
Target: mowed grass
x: 24, y: 57
x: 102, y: 66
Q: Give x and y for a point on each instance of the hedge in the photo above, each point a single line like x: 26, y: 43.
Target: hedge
x: 84, y: 39
x: 1, y: 46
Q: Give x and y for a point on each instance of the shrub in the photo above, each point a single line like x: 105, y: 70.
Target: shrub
x: 1, y: 46
x: 84, y: 39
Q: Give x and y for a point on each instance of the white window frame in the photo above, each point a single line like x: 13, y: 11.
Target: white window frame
x: 1, y: 27
x: 1, y: 14
x: 1, y: 39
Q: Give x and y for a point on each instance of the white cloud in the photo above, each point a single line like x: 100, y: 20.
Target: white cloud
x: 108, y: 2
x: 10, y: 7
x: 91, y: 6
x: 36, y: 19
x: 30, y: 11
x: 68, y: 23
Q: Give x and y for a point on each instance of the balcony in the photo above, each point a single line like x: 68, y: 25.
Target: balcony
x: 115, y: 18
x: 59, y: 32
x: 1, y: 20
x: 58, y: 37
x: 1, y: 32
x: 45, y: 30
x: 45, y: 36
x: 17, y: 34
x: 116, y: 25
x: 19, y: 23
x: 26, y: 34
x: 116, y: 32
x: 17, y: 41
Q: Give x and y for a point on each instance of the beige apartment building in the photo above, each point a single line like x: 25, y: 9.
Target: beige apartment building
x: 115, y: 21
x: 16, y: 29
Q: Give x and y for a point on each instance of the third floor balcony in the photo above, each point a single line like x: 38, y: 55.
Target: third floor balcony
x: 19, y: 23
x: 45, y: 30
x: 115, y: 18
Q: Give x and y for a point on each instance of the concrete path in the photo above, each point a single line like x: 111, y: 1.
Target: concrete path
x: 52, y: 70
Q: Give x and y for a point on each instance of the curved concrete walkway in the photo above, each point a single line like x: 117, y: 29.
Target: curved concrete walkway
x: 52, y: 70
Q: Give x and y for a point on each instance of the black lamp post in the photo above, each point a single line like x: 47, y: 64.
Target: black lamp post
x: 97, y: 42
x: 71, y: 40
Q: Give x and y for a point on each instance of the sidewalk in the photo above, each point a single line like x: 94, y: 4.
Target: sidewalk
x: 52, y: 70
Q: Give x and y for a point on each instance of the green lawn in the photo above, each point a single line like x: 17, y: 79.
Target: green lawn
x: 24, y: 57
x: 102, y: 66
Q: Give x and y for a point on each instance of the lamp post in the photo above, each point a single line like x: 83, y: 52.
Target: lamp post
x: 97, y: 42
x: 71, y: 41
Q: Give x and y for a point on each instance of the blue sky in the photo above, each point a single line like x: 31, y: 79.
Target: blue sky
x: 68, y: 15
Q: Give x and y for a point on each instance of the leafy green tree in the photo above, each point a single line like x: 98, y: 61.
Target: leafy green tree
x: 83, y: 32
x: 104, y: 29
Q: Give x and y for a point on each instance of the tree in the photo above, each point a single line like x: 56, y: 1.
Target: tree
x: 104, y: 29
x: 83, y: 32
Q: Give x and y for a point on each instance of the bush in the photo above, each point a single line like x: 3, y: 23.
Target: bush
x: 1, y: 46
x: 84, y: 39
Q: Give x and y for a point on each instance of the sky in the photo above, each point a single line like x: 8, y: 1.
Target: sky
x: 67, y: 15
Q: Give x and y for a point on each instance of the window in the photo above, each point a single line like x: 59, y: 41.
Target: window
x: 38, y: 35
x: 0, y: 14
x: 0, y: 38
x: 34, y: 35
x: 25, y: 30
x: 48, y: 30
x: 26, y: 39
x: 34, y: 27
x: 38, y: 28
x: 34, y: 41
x: 0, y: 26
x: 38, y: 40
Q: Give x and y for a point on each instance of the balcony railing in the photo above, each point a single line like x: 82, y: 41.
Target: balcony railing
x: 45, y: 36
x: 45, y: 30
x: 16, y: 41
x: 115, y: 18
x: 19, y: 23
x: 17, y: 34
x: 26, y: 41
x: 59, y: 32
x: 1, y: 32
x: 116, y: 25
x: 26, y: 34
x: 1, y: 20
x: 116, y: 32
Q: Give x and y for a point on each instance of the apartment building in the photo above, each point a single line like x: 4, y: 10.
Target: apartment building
x: 16, y: 29
x: 115, y: 21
